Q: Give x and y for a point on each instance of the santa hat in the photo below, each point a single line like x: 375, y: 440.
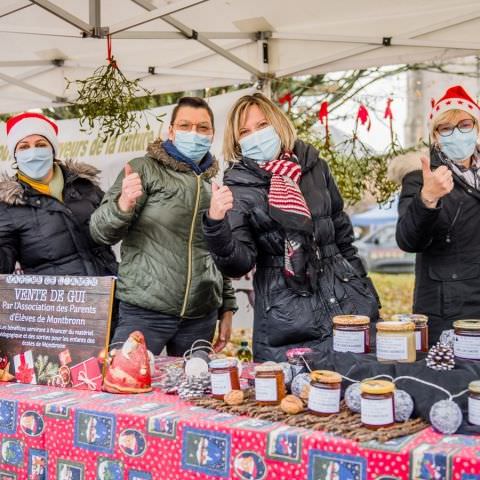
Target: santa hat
x: 455, y: 98
x: 25, y: 124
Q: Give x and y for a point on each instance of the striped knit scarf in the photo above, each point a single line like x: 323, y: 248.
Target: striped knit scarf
x: 288, y: 207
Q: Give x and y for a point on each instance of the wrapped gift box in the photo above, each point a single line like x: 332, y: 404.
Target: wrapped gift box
x: 87, y: 375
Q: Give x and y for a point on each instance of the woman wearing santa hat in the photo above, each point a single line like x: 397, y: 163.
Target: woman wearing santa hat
x: 439, y: 213
x: 45, y: 208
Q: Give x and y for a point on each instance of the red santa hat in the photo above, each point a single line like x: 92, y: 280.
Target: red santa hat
x: 25, y: 124
x: 455, y: 98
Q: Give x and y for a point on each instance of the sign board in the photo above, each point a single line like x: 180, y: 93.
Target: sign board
x: 53, y: 329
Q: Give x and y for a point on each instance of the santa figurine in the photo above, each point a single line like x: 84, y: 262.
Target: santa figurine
x: 129, y: 369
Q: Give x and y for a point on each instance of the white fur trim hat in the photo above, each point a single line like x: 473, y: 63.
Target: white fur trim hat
x: 455, y: 98
x: 25, y: 124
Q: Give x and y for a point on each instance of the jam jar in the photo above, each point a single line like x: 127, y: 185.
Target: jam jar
x: 377, y: 407
x: 296, y: 357
x: 324, y: 394
x: 474, y: 402
x: 396, y: 342
x: 467, y: 339
x: 224, y: 377
x: 269, y: 384
x: 421, y: 328
x: 351, y: 333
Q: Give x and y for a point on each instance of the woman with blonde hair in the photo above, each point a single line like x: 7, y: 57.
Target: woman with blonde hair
x: 439, y: 213
x: 281, y: 212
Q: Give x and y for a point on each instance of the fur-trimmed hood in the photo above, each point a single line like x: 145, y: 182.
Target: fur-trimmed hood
x: 156, y: 151
x: 402, y: 165
x: 12, y: 190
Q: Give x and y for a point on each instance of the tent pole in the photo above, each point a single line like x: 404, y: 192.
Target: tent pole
x: 264, y: 81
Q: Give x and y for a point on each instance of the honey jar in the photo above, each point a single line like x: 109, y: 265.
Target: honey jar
x: 421, y: 328
x: 377, y: 407
x: 396, y: 342
x: 324, y: 394
x: 351, y: 333
x: 467, y: 339
x: 474, y: 402
x: 224, y: 377
x: 269, y: 384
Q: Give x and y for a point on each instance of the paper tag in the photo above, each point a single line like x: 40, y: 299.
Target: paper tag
x: 266, y: 389
x: 392, y: 347
x: 323, y: 400
x: 418, y: 341
x: 377, y: 412
x: 344, y: 341
x: 473, y: 411
x: 467, y: 347
x: 221, y: 383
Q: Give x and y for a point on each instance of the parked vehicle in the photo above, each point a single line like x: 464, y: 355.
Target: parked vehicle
x: 379, y: 252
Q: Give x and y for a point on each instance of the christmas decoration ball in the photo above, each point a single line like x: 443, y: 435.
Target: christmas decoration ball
x: 301, y: 384
x: 446, y: 416
x: 353, y: 398
x: 287, y: 373
x: 403, y: 405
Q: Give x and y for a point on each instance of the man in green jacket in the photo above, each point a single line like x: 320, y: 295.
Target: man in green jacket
x: 168, y: 285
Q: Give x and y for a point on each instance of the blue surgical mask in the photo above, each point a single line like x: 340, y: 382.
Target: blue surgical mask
x: 35, y: 162
x: 192, y: 145
x: 262, y: 146
x: 459, y: 146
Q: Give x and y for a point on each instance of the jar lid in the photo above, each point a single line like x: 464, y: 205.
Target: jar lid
x: 351, y: 320
x: 272, y: 367
x: 392, y: 326
x: 467, y: 324
x: 377, y: 387
x: 474, y: 386
x: 222, y: 363
x: 298, y: 352
x: 416, y: 318
x: 325, y: 376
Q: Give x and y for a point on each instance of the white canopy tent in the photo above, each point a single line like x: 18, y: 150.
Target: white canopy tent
x: 176, y: 45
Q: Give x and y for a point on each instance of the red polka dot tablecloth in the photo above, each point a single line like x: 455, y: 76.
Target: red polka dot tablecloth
x: 59, y: 434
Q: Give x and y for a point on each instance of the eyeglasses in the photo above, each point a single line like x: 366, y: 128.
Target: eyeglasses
x: 202, y: 128
x: 464, y: 126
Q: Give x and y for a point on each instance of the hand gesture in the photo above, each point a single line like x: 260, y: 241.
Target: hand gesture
x: 132, y: 190
x: 436, y: 184
x: 221, y: 202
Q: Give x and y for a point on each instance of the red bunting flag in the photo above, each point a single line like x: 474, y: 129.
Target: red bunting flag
x: 388, y: 109
x: 363, y: 116
x: 287, y: 98
x: 323, y: 117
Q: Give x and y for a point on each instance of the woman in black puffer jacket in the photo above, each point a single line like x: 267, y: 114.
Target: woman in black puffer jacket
x: 45, y: 208
x: 285, y: 217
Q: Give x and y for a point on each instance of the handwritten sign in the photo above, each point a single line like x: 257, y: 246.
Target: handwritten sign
x: 53, y: 328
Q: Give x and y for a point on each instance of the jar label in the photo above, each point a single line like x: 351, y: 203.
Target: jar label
x: 377, y: 412
x: 266, y: 389
x: 467, y: 347
x: 345, y: 341
x: 221, y: 383
x: 473, y: 411
x: 392, y: 347
x: 324, y: 401
x: 418, y: 341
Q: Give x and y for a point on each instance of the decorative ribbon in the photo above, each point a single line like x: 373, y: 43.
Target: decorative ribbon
x: 363, y: 116
x: 83, y: 378
x: 110, y: 58
x: 287, y: 98
x: 24, y: 374
x: 323, y: 117
x: 388, y: 109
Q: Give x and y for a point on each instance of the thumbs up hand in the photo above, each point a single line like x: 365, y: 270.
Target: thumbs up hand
x: 221, y: 202
x: 132, y: 190
x: 436, y: 184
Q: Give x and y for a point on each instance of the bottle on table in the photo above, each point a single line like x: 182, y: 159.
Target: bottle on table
x: 244, y: 353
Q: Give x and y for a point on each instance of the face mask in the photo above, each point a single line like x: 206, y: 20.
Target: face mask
x: 262, y: 145
x: 192, y: 145
x: 35, y: 162
x: 459, y: 146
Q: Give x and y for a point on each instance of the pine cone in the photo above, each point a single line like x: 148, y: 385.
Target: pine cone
x: 441, y: 357
x: 194, y: 387
x: 171, y: 379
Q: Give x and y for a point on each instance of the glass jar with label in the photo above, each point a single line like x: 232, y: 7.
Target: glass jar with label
x: 421, y: 328
x: 224, y: 377
x: 377, y: 407
x: 269, y: 384
x: 396, y: 342
x: 467, y: 339
x: 297, y: 358
x: 324, y: 394
x: 351, y: 333
x: 474, y: 402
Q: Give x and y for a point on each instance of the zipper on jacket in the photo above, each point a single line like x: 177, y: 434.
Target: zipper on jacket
x: 190, y: 247
x: 455, y: 218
